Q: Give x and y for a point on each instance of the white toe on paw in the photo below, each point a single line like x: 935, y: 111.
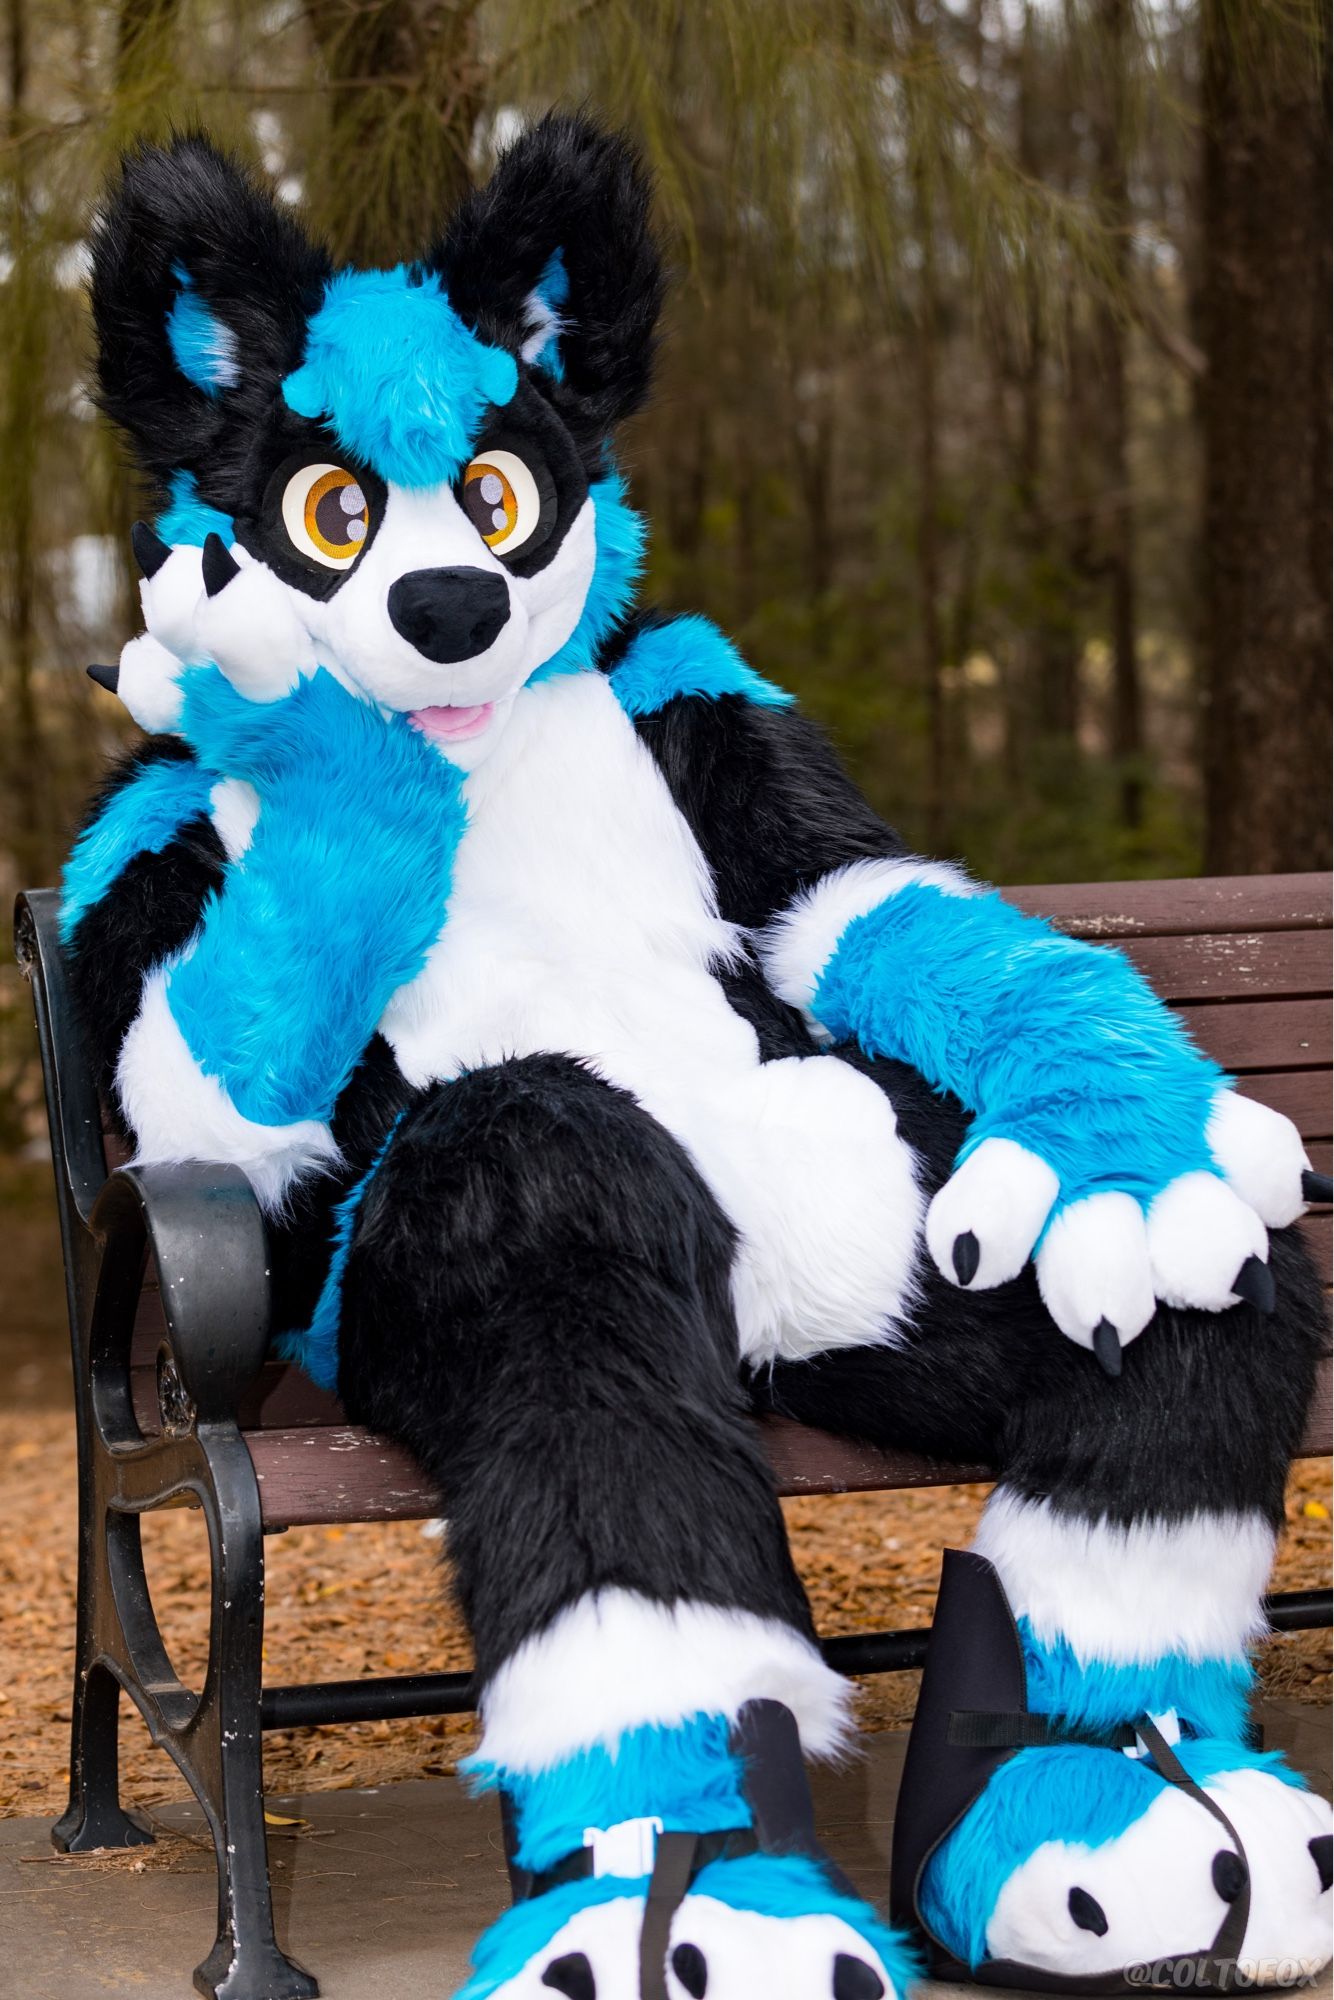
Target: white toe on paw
x: 595, y: 1954
x: 999, y: 1198
x: 149, y: 684
x: 1094, y: 1266
x: 169, y: 598
x: 1286, y: 1832
x: 1261, y: 1154
x: 1200, y: 1235
x: 252, y: 631
x: 730, y: 1954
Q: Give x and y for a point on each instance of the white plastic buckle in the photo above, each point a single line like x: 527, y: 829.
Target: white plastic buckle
x: 1168, y: 1725
x: 624, y: 1849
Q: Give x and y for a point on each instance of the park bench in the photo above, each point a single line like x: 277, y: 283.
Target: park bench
x: 177, y: 1399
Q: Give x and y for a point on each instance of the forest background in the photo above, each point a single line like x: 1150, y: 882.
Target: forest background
x: 994, y: 408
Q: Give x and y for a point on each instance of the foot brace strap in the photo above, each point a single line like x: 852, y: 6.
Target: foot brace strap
x: 766, y: 1740
x: 972, y: 1717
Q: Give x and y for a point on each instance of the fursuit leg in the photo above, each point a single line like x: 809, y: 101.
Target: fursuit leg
x: 536, y: 1300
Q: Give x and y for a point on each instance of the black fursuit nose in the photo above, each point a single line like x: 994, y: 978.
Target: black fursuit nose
x: 449, y: 614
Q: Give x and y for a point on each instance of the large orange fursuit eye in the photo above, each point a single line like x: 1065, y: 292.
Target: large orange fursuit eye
x: 501, y: 499
x: 326, y: 515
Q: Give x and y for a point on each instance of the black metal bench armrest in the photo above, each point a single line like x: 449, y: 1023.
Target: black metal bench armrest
x: 203, y: 1228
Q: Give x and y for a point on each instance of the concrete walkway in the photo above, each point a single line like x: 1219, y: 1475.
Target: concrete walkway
x: 379, y: 1893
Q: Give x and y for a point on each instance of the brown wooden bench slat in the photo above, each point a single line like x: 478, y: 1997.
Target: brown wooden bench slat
x: 324, y: 1475
x: 1265, y: 1034
x: 1256, y: 965
x: 1178, y: 908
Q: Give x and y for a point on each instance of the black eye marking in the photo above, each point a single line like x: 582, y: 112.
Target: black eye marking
x: 1088, y: 1912
x: 1322, y: 1853
x: 1229, y: 1873
x: 571, y: 1975
x: 691, y: 1968
x: 854, y: 1979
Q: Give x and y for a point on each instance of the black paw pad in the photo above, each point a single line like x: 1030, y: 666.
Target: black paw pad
x: 1229, y: 1872
x: 967, y: 1257
x: 1088, y: 1912
x: 691, y: 1968
x: 1322, y: 1853
x: 150, y: 551
x: 854, y: 1979
x: 571, y: 1975
x: 1317, y: 1187
x: 219, y: 566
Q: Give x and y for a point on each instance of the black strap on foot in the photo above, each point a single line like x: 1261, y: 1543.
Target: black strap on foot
x: 972, y: 1717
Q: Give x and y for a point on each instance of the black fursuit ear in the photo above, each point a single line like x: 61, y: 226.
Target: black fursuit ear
x: 570, y: 192
x: 200, y: 290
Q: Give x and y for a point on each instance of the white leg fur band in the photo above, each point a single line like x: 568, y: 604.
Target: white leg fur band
x: 1130, y: 1595
x: 798, y: 944
x: 616, y: 1661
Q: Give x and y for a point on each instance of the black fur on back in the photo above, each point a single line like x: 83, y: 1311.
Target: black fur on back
x: 564, y: 185
x: 186, y: 206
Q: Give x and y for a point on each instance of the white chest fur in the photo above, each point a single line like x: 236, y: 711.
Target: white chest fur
x: 582, y: 921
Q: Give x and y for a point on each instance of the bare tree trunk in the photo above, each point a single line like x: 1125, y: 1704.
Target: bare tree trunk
x: 930, y: 628
x: 29, y: 764
x: 1116, y: 25
x: 1266, y: 326
x: 404, y: 92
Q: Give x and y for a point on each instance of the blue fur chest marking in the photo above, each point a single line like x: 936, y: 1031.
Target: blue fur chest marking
x: 334, y: 905
x: 1057, y: 1044
x: 143, y: 818
x: 688, y: 655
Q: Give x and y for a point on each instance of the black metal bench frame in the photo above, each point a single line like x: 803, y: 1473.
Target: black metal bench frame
x: 202, y: 1229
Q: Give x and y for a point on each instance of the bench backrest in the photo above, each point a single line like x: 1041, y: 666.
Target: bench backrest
x: 1244, y: 960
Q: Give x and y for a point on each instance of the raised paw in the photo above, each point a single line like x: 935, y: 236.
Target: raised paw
x: 247, y: 624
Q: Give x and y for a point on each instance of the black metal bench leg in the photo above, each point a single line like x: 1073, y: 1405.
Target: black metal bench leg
x: 95, y: 1816
x: 226, y: 1749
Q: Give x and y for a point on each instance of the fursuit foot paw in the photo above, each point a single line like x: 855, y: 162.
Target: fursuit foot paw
x: 1081, y: 1861
x: 765, y: 1925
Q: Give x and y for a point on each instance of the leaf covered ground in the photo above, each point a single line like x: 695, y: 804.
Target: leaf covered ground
x: 368, y: 1600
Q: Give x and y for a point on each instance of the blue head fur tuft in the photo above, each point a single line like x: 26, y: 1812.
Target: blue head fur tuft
x: 203, y: 348
x: 687, y: 655
x: 686, y: 1776
x: 550, y: 294
x: 403, y: 384
x: 190, y: 520
x: 621, y: 538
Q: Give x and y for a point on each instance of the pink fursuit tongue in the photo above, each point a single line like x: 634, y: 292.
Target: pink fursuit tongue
x: 452, y: 725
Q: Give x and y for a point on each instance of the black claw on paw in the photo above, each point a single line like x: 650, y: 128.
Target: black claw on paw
x: 967, y: 1257
x: 150, y: 551
x: 1254, y: 1282
x: 1088, y: 1912
x: 1322, y: 1853
x: 219, y: 566
x: 106, y: 677
x: 1229, y: 1873
x: 1317, y: 1187
x: 1107, y: 1347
